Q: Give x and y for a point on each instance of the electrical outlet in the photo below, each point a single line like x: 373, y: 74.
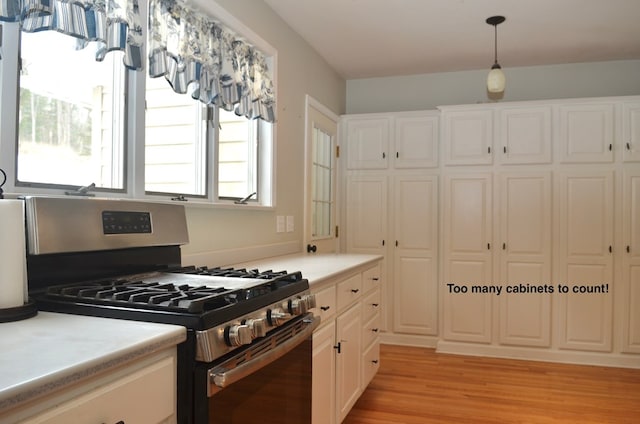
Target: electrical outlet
x: 280, y: 224
x: 289, y: 223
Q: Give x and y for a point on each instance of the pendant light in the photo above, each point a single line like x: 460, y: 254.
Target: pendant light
x: 496, y: 79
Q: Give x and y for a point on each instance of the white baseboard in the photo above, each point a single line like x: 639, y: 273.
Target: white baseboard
x: 408, y: 340
x: 546, y: 355
x: 229, y: 257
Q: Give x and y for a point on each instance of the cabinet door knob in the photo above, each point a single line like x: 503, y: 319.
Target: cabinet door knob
x: 355, y: 290
x: 325, y: 308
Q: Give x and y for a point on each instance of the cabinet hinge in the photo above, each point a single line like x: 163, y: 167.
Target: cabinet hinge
x: 337, y: 151
x: 337, y: 231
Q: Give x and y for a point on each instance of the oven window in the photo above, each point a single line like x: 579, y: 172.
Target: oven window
x: 279, y: 393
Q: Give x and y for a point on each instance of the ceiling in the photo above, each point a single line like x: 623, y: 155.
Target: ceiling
x: 376, y: 38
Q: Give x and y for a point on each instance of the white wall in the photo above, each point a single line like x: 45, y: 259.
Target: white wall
x: 426, y: 91
x: 300, y: 71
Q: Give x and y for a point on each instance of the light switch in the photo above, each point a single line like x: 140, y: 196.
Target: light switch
x: 289, y: 223
x: 280, y: 224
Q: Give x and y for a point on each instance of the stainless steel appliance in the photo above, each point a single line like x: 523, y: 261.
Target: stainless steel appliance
x: 247, y: 357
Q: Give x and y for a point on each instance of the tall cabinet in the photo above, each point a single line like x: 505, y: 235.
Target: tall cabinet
x: 391, y: 209
x: 514, y: 231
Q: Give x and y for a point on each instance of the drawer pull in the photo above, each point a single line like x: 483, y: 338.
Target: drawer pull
x: 325, y: 308
x: 375, y: 361
x: 375, y: 330
x: 355, y: 290
x: 375, y: 305
x: 375, y: 278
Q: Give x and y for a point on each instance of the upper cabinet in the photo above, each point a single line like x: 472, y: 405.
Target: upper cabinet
x: 416, y: 141
x: 525, y: 135
x: 467, y: 136
x: 586, y: 132
x: 403, y: 140
x: 367, y: 142
x: 631, y: 131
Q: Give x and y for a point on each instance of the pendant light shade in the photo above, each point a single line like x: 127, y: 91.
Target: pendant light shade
x: 496, y: 80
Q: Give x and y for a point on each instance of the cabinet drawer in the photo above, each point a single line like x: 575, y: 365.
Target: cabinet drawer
x: 371, y: 278
x: 145, y: 396
x: 370, y: 363
x: 370, y: 305
x: 349, y: 290
x: 370, y: 331
x: 325, y: 304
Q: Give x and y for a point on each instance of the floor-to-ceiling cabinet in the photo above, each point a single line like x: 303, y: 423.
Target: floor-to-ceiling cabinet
x: 516, y: 232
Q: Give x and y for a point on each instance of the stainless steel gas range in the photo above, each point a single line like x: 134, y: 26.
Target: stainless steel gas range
x: 247, y: 357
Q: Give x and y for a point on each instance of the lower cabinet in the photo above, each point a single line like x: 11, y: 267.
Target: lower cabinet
x: 346, y: 345
x: 143, y: 392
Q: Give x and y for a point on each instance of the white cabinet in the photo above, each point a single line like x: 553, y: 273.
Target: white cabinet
x: 346, y: 345
x: 140, y: 395
x: 525, y: 135
x: 348, y: 360
x: 415, y: 280
x: 631, y: 262
x: 324, y: 375
x: 367, y: 143
x: 366, y: 205
x: 467, y: 136
x: 525, y: 258
x: 631, y: 131
x: 402, y: 140
x: 416, y: 141
x: 585, y: 229
x: 586, y: 133
x: 468, y: 216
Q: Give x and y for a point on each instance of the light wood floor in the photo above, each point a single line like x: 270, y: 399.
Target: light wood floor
x: 417, y: 385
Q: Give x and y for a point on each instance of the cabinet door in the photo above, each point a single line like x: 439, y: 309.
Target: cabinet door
x: 525, y: 135
x: 631, y: 262
x: 416, y: 262
x: 525, y: 258
x: 585, y: 260
x: 416, y: 142
x: 144, y: 396
x: 348, y: 360
x: 323, y: 403
x: 586, y: 133
x: 631, y: 132
x: 467, y: 249
x: 467, y: 137
x: 367, y: 143
x: 366, y: 205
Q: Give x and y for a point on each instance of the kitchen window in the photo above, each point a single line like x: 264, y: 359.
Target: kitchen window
x: 86, y: 121
x: 71, y: 114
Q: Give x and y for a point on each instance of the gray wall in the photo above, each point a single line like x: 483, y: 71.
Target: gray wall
x: 427, y: 91
x: 300, y: 71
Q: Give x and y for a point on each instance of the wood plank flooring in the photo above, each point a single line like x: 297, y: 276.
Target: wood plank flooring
x: 419, y: 386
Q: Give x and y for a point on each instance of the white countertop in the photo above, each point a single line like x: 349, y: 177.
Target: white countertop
x: 50, y: 351
x: 315, y: 267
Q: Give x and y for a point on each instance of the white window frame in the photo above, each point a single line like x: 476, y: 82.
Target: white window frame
x: 135, y: 127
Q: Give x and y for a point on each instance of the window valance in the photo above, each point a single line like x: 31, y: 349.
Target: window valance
x: 194, y: 53
x: 112, y: 24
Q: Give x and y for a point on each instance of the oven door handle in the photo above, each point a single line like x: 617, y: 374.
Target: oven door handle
x: 227, y: 373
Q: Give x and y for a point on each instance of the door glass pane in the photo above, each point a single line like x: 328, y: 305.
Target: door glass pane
x: 70, y: 125
x: 321, y: 170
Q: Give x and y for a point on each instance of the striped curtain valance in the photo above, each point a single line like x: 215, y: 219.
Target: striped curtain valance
x: 112, y: 24
x: 214, y: 65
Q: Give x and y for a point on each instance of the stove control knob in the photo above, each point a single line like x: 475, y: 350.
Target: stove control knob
x: 258, y: 327
x: 297, y: 306
x: 238, y: 335
x: 277, y: 316
x: 310, y: 300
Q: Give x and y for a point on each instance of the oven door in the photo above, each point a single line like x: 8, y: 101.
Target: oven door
x: 267, y: 382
